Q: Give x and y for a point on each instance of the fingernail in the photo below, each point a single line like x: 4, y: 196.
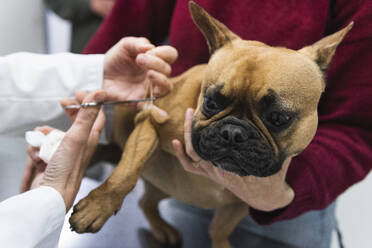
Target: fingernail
x: 151, y: 74
x: 100, y: 96
x: 147, y: 46
x: 157, y: 92
x: 142, y: 58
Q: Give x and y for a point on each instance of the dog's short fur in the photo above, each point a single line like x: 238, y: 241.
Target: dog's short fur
x: 256, y: 105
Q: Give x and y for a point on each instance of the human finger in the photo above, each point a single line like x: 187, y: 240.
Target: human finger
x: 224, y: 176
x: 99, y: 123
x: 135, y: 45
x: 161, y: 114
x: 167, y: 53
x: 45, y: 129
x: 33, y: 153
x: 27, y: 176
x: 208, y: 169
x: 94, y: 136
x: 286, y: 164
x: 185, y: 160
x: 162, y: 85
x: 187, y: 135
x: 68, y: 101
x: 80, y: 95
x: 85, y: 119
x: 93, y: 139
x: 283, y: 172
x: 91, y: 147
x: 38, y: 163
x: 70, y: 112
x: 152, y: 62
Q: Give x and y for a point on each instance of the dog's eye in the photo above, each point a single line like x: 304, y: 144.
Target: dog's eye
x: 278, y: 120
x: 210, y: 107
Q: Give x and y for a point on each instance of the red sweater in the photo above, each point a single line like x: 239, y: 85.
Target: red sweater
x: 341, y: 152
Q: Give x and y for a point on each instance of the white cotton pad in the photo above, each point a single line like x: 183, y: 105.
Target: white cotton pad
x: 48, y: 143
x: 34, y: 138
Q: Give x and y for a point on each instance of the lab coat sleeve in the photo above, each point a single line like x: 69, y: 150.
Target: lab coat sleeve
x: 31, y: 86
x: 32, y: 219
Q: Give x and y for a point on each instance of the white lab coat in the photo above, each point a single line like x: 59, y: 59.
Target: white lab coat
x: 32, y: 219
x: 31, y: 86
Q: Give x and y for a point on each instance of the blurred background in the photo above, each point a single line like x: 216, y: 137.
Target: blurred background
x: 30, y: 26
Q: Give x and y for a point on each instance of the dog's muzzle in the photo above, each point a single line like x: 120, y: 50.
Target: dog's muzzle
x: 235, y: 146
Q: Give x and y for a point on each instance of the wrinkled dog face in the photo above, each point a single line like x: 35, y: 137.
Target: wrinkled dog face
x: 257, y: 109
x: 258, y: 104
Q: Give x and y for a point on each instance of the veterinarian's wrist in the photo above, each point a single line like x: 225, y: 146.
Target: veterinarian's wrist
x: 68, y: 190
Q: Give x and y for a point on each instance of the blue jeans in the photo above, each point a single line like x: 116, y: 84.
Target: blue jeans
x: 310, y: 230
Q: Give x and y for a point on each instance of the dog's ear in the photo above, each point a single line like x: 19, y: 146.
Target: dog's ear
x: 216, y: 34
x: 322, y: 51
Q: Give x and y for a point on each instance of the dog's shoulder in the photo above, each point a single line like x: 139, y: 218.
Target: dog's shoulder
x: 193, y: 75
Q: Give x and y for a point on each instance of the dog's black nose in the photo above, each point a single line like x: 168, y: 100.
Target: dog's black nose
x: 234, y: 134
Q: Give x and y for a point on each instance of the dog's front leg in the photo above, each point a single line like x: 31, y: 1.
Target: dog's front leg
x: 93, y: 211
x: 223, y: 223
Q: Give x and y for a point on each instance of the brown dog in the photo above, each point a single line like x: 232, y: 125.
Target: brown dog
x: 256, y: 105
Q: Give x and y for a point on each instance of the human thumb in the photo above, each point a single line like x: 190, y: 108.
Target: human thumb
x: 86, y: 117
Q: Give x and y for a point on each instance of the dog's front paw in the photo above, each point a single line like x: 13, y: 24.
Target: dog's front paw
x: 92, y: 212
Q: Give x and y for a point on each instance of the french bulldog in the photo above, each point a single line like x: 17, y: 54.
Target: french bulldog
x: 256, y: 106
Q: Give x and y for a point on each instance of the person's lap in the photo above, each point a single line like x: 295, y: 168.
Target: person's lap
x: 313, y: 229
x: 129, y: 228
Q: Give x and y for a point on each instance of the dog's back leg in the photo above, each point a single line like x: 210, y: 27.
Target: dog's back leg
x: 93, y: 211
x: 223, y: 223
x: 162, y: 231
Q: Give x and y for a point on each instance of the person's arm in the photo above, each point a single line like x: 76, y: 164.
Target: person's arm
x: 72, y: 10
x: 147, y: 18
x: 31, y: 86
x: 34, y: 219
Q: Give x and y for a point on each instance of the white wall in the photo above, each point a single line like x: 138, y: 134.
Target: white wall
x: 58, y: 33
x: 354, y: 213
x: 22, y: 26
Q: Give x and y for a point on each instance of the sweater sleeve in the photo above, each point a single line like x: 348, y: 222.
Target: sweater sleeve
x: 144, y: 18
x: 72, y: 10
x: 341, y: 152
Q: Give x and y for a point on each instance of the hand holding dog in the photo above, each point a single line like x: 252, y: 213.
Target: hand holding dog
x: 262, y: 193
x: 66, y: 168
x: 134, y: 62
